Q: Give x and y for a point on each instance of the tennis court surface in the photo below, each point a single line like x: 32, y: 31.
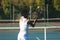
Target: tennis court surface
x: 33, y: 34
x: 44, y: 30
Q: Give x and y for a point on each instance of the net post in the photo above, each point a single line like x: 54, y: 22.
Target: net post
x: 44, y: 33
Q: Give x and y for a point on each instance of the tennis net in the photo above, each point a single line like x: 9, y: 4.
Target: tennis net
x: 40, y: 22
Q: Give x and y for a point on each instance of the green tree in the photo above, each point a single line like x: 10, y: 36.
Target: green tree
x: 57, y: 4
x: 7, y: 9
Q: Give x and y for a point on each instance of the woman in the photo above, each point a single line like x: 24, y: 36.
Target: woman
x: 23, y: 24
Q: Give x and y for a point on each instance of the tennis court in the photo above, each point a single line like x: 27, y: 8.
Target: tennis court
x: 41, y: 31
x: 33, y: 34
x: 47, y: 13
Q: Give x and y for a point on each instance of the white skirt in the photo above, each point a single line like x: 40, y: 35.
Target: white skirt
x: 22, y: 36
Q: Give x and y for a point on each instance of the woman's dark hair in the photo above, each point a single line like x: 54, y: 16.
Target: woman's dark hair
x: 25, y: 12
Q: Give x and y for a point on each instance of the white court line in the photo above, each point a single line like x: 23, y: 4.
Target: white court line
x: 29, y: 27
x: 37, y: 38
x: 44, y: 33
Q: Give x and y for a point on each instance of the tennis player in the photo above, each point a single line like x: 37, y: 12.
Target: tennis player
x: 23, y: 24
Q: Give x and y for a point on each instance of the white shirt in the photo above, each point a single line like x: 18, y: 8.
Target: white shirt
x: 23, y: 26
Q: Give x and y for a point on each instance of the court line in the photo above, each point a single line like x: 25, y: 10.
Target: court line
x: 29, y: 27
x: 37, y: 38
x: 44, y: 33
